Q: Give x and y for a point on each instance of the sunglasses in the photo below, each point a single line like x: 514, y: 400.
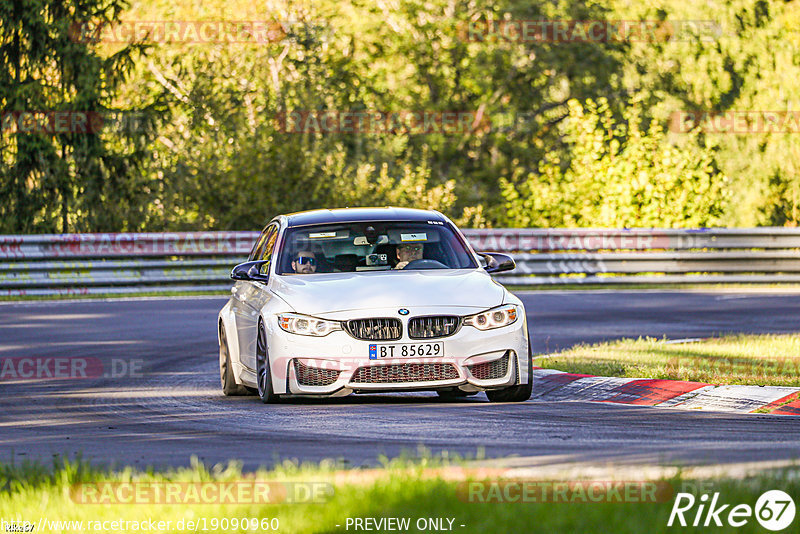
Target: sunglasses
x: 306, y: 260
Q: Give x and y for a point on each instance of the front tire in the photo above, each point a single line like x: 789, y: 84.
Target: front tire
x: 519, y: 393
x: 229, y: 386
x: 263, y: 372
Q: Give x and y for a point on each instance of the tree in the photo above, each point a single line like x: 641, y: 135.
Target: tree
x: 226, y: 164
x: 620, y: 175
x: 67, y: 173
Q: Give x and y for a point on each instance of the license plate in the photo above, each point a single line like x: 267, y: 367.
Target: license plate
x: 405, y: 350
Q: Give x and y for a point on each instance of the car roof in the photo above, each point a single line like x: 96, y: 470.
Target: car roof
x: 349, y: 215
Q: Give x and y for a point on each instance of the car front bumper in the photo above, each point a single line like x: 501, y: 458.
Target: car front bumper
x: 339, y: 364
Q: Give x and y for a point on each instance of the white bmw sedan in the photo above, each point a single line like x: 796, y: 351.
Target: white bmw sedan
x: 363, y: 300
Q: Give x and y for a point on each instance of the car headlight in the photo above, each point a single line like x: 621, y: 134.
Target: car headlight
x: 305, y: 325
x: 494, y: 318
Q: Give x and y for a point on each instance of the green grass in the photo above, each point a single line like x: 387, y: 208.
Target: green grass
x: 772, y: 360
x: 399, y: 489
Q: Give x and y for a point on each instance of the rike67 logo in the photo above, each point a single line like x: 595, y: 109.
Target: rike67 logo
x: 774, y: 510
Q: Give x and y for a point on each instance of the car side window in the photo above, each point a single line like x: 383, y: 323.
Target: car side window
x: 258, y: 248
x: 268, y: 248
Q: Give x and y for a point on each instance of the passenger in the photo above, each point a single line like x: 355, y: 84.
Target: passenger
x: 304, y: 263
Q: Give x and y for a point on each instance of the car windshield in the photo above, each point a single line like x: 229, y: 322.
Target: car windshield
x: 372, y: 246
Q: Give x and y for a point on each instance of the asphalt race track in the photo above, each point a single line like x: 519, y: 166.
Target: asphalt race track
x: 173, y: 408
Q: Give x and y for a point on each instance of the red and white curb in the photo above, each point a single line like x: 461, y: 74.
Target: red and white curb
x: 552, y: 385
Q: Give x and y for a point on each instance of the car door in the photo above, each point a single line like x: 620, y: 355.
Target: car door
x: 250, y: 297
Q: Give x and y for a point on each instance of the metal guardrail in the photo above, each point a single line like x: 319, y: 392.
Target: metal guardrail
x: 647, y: 256
x: 84, y: 264
x: 201, y: 261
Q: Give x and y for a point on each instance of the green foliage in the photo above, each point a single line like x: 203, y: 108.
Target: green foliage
x: 751, y: 64
x: 540, y: 152
x: 621, y: 174
x: 69, y: 180
x: 226, y: 164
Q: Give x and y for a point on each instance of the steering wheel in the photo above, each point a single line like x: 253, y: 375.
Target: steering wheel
x: 425, y: 264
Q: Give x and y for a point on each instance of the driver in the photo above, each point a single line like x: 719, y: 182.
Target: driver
x: 304, y: 263
x: 408, y: 252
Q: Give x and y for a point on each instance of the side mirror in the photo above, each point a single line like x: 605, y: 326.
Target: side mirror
x: 250, y: 270
x: 497, y: 263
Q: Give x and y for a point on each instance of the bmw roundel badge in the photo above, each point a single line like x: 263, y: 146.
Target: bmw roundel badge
x: 403, y: 311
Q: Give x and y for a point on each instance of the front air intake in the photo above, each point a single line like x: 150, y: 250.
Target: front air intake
x: 404, y: 372
x: 380, y: 329
x: 433, y: 326
x: 490, y: 370
x: 314, y: 376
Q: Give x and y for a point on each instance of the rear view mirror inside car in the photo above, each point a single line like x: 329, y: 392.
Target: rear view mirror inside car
x: 363, y: 241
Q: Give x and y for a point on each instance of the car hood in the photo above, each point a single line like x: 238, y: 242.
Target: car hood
x: 335, y: 292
